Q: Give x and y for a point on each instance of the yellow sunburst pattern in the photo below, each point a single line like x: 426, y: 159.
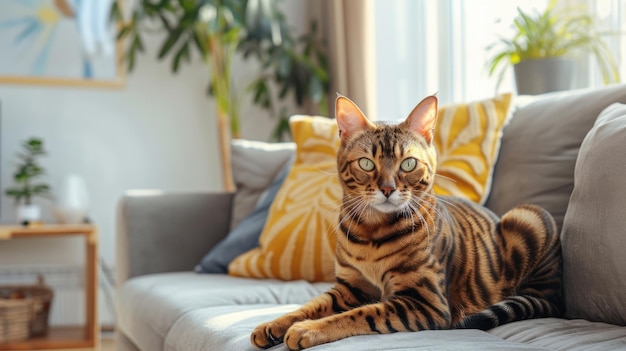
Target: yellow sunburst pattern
x: 468, y: 137
x: 298, y: 241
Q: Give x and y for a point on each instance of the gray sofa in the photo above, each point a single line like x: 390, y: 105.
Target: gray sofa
x: 564, y: 151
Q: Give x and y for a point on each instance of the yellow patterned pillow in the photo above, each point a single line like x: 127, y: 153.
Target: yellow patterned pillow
x: 468, y: 137
x: 298, y: 240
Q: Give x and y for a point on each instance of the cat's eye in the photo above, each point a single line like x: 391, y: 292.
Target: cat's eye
x: 408, y: 165
x: 366, y: 164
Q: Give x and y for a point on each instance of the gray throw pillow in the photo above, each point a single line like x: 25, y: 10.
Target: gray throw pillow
x: 254, y: 164
x: 245, y: 236
x: 539, y: 149
x: 594, y: 231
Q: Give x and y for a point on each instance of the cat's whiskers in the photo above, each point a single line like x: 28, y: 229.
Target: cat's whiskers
x: 363, y: 208
x: 451, y: 204
x: 341, y: 203
x: 352, y: 206
x: 441, y: 210
x: 423, y: 220
x: 411, y: 212
x: 444, y: 177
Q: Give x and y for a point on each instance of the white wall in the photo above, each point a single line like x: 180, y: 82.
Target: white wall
x: 156, y: 132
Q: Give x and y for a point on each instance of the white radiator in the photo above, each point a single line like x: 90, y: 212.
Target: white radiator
x: 67, y: 283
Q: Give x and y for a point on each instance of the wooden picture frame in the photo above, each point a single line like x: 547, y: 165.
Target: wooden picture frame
x: 49, y: 42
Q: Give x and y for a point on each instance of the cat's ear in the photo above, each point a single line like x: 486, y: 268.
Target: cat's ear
x: 423, y: 118
x: 350, y: 119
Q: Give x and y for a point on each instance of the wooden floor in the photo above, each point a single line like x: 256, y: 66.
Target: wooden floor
x: 106, y: 344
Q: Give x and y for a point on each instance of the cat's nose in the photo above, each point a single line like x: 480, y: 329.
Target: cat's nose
x: 387, y: 190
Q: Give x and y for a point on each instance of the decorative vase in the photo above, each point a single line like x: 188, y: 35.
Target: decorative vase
x: 544, y: 75
x: 72, y: 203
x: 28, y: 213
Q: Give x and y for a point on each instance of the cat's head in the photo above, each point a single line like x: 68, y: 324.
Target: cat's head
x: 386, y: 167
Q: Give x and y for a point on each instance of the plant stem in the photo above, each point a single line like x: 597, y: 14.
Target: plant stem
x: 221, y: 89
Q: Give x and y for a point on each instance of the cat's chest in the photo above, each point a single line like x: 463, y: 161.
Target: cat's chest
x: 373, y: 262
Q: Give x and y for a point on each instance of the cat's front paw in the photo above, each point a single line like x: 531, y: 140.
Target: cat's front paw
x: 268, y: 334
x: 305, y: 334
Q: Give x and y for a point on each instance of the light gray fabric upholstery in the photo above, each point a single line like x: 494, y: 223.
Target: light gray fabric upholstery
x: 255, y: 164
x: 218, y: 312
x: 229, y: 328
x: 168, y: 232
x: 594, y: 232
x: 122, y: 343
x: 177, y: 294
x: 539, y: 149
x: 564, y: 335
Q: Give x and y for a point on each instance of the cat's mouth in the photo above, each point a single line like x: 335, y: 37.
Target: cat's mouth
x: 389, y: 204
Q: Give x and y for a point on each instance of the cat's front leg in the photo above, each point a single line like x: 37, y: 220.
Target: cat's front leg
x: 271, y: 333
x: 390, y: 316
x: 337, y: 299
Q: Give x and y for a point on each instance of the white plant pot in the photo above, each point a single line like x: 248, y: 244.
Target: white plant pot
x: 28, y: 213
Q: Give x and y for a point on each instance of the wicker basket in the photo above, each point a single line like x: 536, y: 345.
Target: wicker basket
x: 24, y: 301
x: 15, y: 316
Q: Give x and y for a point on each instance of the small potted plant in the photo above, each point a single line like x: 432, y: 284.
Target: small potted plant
x: 542, y: 48
x: 25, y: 189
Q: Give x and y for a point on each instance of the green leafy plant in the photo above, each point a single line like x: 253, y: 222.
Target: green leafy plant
x: 553, y: 33
x: 27, y: 170
x: 217, y: 30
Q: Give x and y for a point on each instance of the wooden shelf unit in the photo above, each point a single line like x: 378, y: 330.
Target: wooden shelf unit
x: 86, y: 336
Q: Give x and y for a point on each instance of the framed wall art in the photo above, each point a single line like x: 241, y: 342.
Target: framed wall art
x: 59, y: 42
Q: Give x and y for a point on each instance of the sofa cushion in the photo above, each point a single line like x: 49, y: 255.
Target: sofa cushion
x: 245, y: 235
x: 297, y: 241
x: 229, y: 328
x: 148, y: 306
x: 467, y: 138
x: 594, y: 233
x: 564, y: 335
x: 540, y: 146
x: 255, y: 164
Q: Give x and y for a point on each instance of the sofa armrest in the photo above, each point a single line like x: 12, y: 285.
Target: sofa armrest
x: 168, y: 232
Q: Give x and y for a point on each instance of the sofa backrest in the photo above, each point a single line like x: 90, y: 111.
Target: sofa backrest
x: 542, y: 161
x: 594, y: 230
x: 540, y: 146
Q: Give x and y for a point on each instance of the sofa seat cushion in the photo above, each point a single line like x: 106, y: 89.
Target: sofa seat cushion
x: 229, y: 328
x: 187, y: 312
x: 563, y: 334
x: 148, y: 306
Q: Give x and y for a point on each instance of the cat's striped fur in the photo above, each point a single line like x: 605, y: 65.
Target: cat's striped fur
x: 407, y: 260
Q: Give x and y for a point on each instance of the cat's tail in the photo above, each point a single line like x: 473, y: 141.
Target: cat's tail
x: 538, y: 293
x: 511, y: 309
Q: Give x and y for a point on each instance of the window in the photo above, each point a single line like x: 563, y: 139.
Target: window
x: 425, y: 47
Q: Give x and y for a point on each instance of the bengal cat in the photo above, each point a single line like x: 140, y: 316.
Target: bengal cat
x: 407, y: 260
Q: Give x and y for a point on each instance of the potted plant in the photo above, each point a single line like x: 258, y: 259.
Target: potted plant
x: 217, y: 30
x: 24, y: 191
x: 542, y: 48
